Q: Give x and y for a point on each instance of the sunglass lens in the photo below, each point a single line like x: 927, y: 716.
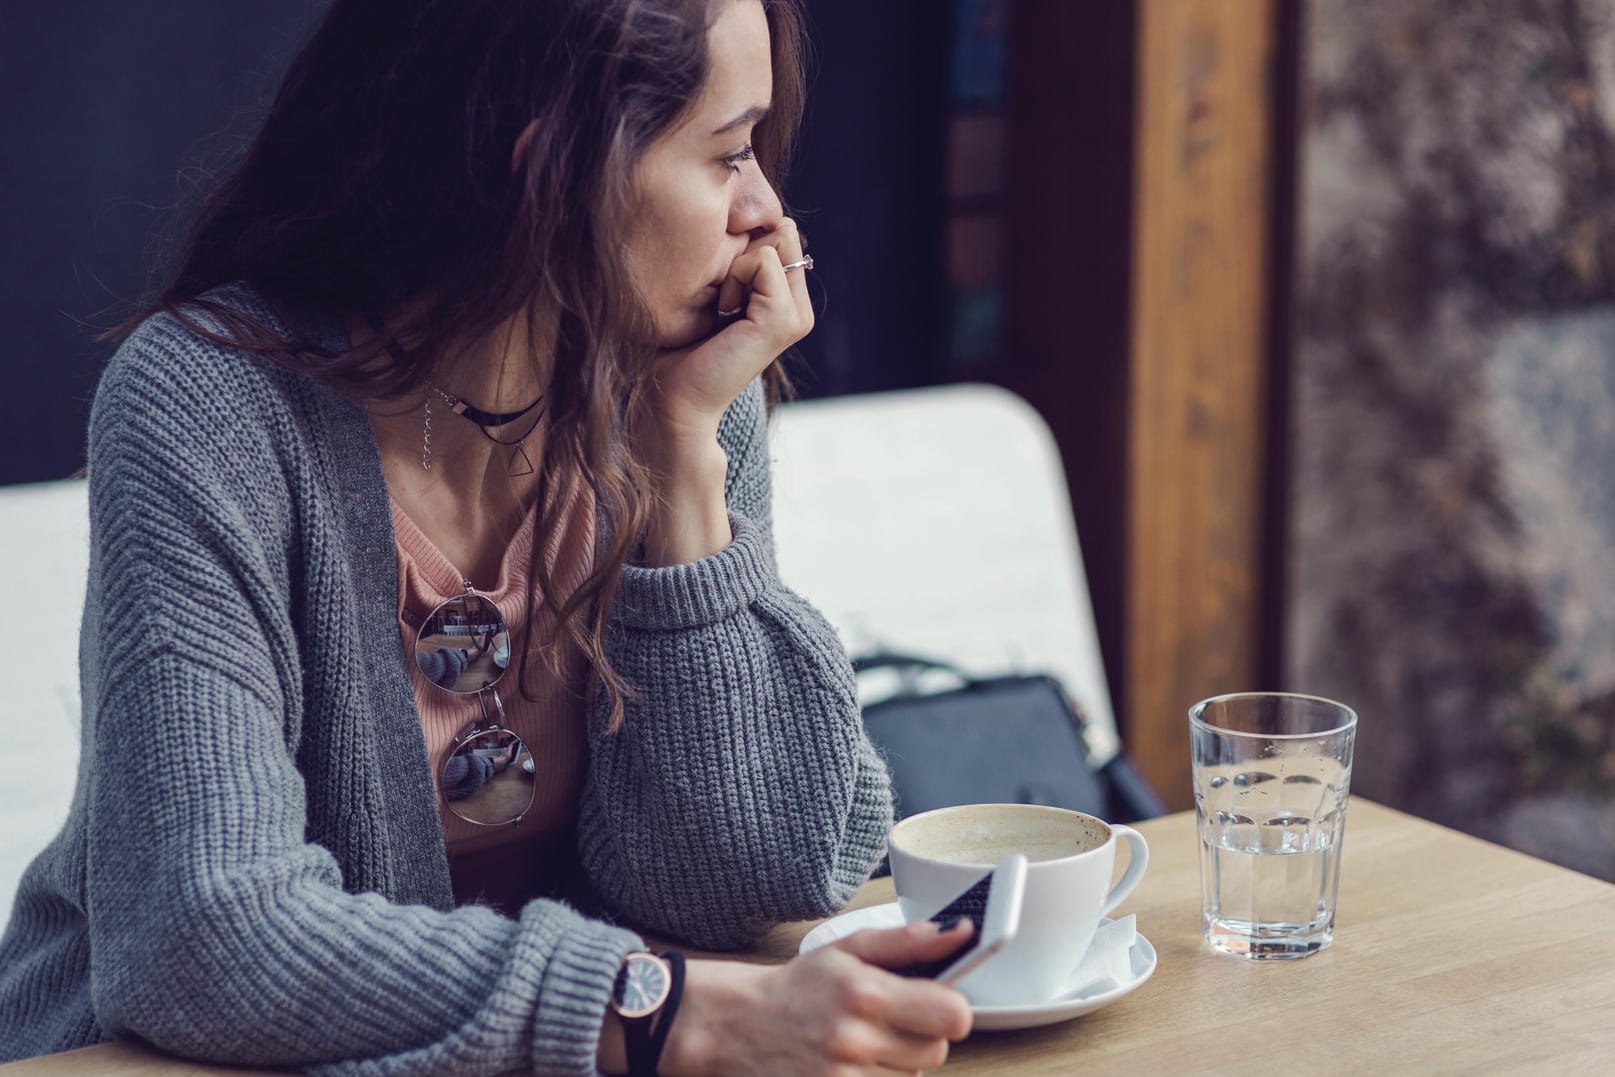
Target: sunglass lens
x: 464, y: 646
x: 488, y: 778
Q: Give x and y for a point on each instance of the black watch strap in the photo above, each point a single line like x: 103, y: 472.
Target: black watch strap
x: 645, y: 1039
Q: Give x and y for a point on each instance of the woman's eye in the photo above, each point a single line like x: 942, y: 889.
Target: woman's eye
x: 734, y: 160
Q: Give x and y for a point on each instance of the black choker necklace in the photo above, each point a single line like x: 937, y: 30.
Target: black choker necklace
x: 482, y: 418
x: 520, y: 463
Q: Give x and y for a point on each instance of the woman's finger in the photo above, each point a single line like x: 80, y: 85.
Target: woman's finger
x: 911, y: 944
x: 918, y: 1006
x: 732, y: 293
x: 787, y: 243
x: 788, y: 240
x: 908, y: 1051
x: 926, y: 1009
x: 758, y: 286
x: 784, y: 238
x: 863, y: 1043
x: 747, y: 276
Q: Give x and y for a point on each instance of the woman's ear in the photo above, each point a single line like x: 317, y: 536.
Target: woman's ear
x: 518, y: 153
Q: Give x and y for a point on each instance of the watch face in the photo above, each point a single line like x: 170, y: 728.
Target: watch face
x: 642, y: 986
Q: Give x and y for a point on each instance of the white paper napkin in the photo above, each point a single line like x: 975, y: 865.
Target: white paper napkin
x: 1108, y: 964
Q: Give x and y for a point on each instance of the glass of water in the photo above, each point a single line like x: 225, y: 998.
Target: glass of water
x: 1271, y: 775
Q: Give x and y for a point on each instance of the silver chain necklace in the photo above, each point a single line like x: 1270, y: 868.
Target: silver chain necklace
x: 520, y: 463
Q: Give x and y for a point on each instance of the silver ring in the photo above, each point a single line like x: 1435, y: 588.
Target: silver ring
x: 805, y: 263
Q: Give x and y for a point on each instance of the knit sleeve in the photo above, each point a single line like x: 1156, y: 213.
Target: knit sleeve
x: 217, y: 931
x: 740, y: 790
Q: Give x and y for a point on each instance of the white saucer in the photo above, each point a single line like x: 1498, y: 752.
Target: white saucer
x: 1052, y: 1012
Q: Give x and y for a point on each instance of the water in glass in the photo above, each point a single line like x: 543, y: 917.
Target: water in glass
x: 1269, y: 881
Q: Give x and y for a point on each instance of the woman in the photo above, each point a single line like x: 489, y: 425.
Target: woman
x: 475, y: 339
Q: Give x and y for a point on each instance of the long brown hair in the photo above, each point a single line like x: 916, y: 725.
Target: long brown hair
x: 381, y: 180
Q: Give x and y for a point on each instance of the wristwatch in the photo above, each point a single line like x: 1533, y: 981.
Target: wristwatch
x: 645, y: 997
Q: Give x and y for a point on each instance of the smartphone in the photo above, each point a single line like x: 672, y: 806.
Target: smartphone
x: 993, y: 904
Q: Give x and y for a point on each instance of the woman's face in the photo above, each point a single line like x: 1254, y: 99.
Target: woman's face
x: 703, y: 197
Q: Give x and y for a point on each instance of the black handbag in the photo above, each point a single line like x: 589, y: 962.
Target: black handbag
x: 997, y: 740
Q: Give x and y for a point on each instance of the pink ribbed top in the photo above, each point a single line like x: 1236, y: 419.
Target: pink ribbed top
x: 553, y: 723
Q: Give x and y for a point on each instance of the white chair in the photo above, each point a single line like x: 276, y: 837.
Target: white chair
x: 45, y: 547
x: 937, y: 522
x: 931, y: 521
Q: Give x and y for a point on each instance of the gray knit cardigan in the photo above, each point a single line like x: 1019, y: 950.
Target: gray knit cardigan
x: 253, y: 869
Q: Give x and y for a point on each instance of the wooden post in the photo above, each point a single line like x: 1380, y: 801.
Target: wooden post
x: 1198, y: 409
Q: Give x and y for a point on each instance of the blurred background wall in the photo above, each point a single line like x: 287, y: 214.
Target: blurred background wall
x: 1452, y: 522
x: 106, y: 103
x: 1315, y: 295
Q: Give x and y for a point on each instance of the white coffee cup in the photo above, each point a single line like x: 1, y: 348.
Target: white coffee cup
x: 937, y: 854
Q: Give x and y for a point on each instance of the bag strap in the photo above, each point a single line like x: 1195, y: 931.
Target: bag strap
x: 911, y: 663
x: 909, y: 669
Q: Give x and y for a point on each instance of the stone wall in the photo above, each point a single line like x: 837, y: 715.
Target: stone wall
x: 1452, y: 544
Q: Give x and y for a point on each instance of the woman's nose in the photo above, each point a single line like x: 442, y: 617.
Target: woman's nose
x: 756, y: 207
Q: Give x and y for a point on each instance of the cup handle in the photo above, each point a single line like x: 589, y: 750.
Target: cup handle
x: 1138, y: 858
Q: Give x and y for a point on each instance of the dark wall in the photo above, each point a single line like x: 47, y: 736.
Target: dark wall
x: 107, y: 101
x: 104, y: 101
x: 867, y: 192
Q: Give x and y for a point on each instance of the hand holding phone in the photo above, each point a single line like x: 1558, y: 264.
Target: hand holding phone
x: 993, y: 905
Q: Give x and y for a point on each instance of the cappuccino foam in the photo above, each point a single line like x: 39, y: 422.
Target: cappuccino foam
x: 983, y: 835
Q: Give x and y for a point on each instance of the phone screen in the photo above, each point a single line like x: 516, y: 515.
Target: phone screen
x: 992, y: 904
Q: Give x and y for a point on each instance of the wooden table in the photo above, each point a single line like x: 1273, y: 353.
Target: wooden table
x: 1451, y: 956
